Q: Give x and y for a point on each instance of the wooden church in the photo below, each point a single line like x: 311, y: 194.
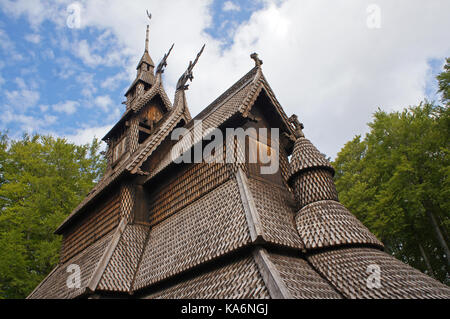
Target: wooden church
x: 156, y: 228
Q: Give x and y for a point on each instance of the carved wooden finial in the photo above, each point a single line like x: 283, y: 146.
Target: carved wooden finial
x: 258, y: 61
x: 163, y: 63
x: 297, y: 125
x: 187, y: 75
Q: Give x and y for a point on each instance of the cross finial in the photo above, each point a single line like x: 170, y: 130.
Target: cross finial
x: 258, y: 61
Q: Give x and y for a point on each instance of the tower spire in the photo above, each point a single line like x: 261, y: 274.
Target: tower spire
x: 146, y: 38
x: 145, y: 69
x: 149, y: 15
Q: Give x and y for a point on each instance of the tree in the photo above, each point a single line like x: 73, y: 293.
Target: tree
x: 41, y: 180
x: 397, y: 182
x: 444, y: 82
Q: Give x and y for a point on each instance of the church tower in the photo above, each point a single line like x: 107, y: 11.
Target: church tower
x: 145, y: 78
x: 146, y: 103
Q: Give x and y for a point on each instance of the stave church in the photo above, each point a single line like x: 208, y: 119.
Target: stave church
x: 154, y: 227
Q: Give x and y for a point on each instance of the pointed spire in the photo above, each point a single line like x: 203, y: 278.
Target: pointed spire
x: 146, y: 38
x: 321, y: 220
x: 305, y: 155
x: 146, y: 57
x: 145, y: 69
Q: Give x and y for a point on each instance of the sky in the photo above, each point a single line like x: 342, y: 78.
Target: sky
x: 65, y: 65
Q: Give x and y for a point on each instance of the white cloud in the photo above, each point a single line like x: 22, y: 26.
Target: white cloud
x: 50, y: 119
x: 33, y: 38
x: 27, y: 123
x: 8, y: 46
x: 114, y: 115
x: 230, y: 6
x: 86, y: 135
x: 36, y: 11
x: 22, y: 99
x: 68, y: 107
x: 320, y: 58
x: 104, y: 102
x: 112, y: 82
x: 325, y: 64
x: 85, y: 54
x: 48, y: 54
x: 65, y: 67
x: 86, y: 80
x: 5, y: 42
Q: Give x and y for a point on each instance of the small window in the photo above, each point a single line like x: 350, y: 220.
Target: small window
x: 119, y: 149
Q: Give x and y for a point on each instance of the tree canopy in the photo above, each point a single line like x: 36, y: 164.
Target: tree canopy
x: 444, y: 83
x: 42, y: 179
x: 396, y: 180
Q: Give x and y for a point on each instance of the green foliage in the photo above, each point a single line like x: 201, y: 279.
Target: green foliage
x: 444, y: 82
x: 41, y: 180
x: 398, y: 175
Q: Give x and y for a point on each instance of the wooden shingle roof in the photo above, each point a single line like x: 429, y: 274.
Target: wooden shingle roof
x: 220, y: 232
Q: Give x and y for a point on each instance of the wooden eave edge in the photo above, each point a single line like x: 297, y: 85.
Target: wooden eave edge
x: 43, y: 281
x: 104, y: 261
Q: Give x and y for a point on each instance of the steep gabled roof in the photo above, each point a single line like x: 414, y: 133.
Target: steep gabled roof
x: 54, y: 286
x: 156, y: 89
x: 241, y: 236
x: 213, y: 254
x: 347, y: 270
x: 128, y: 164
x: 238, y: 99
x: 179, y: 113
x: 136, y: 257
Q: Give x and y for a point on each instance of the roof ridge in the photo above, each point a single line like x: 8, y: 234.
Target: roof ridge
x: 264, y: 84
x: 106, y: 257
x: 270, y: 274
x: 190, y: 126
x: 237, y: 86
x: 99, y: 187
x: 140, y: 261
x: 251, y: 212
x: 150, y: 94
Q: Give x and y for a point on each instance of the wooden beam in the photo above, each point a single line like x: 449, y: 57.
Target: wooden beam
x: 142, y: 129
x: 271, y: 276
x: 104, y: 261
x: 251, y: 212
